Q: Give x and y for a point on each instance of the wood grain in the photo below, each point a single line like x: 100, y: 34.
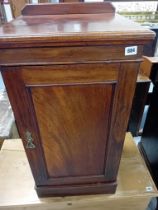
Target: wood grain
x: 68, y: 8
x: 120, y: 115
x: 63, y: 55
x: 61, y: 30
x: 70, y: 74
x: 73, y: 141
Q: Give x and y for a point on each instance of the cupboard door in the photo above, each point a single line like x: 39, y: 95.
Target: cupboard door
x: 71, y: 112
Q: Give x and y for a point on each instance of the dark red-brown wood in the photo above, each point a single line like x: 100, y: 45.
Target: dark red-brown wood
x: 72, y: 30
x: 71, y: 87
x: 68, y: 8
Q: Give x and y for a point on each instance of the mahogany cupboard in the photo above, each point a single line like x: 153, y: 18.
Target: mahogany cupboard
x: 70, y: 71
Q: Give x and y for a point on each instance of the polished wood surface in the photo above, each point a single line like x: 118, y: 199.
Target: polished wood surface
x: 131, y: 192
x: 120, y: 114
x: 72, y: 93
x: 69, y: 28
x: 70, y: 74
x: 74, y: 144
x: 68, y: 8
x: 66, y: 55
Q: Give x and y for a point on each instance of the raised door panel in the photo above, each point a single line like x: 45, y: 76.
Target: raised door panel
x: 73, y: 122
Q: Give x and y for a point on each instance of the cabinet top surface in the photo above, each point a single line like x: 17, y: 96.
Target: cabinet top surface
x: 71, y: 27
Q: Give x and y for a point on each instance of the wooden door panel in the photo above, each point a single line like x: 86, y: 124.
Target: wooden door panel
x: 74, y: 126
